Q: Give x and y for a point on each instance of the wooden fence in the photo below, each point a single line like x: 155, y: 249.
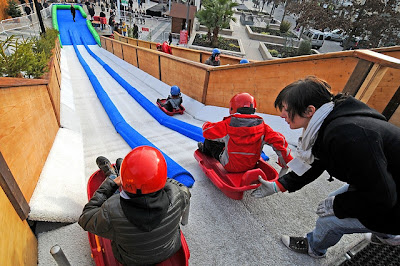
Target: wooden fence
x: 371, y: 76
x: 30, y: 119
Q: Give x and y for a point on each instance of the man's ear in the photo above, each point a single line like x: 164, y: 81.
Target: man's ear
x: 310, y: 111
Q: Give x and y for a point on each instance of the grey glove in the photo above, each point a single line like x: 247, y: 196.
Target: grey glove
x: 325, y: 207
x: 267, y: 188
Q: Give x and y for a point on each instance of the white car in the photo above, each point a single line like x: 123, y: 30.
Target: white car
x: 335, y: 35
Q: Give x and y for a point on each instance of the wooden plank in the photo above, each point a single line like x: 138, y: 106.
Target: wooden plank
x: 393, y: 105
x: 12, y: 190
x: 205, y: 87
x: 103, y: 42
x: 148, y: 62
x: 130, y: 54
x: 377, y: 58
x: 28, y: 127
x: 371, y: 82
x: 18, y: 245
x: 189, y: 77
x: 357, y: 77
x: 18, y: 82
x: 117, y: 50
x: 265, y: 81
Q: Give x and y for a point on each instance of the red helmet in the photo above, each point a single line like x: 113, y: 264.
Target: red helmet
x: 143, y: 171
x: 242, y: 103
x: 158, y: 45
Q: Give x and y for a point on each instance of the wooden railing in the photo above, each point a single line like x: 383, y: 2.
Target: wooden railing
x: 371, y: 76
x: 30, y: 119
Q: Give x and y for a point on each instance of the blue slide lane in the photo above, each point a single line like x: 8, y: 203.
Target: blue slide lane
x: 130, y: 135
x: 66, y: 24
x: 190, y: 131
x: 184, y: 128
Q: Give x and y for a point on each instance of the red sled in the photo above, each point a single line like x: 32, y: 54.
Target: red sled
x: 234, y: 184
x: 161, y: 102
x: 102, y: 253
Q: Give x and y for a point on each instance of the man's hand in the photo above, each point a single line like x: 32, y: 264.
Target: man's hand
x: 267, y: 188
x: 325, y: 207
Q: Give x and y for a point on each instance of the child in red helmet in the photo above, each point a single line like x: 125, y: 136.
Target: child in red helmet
x: 238, y: 139
x: 143, y: 220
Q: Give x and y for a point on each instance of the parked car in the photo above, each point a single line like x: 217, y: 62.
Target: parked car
x: 355, y: 43
x: 335, y: 35
x: 316, y: 37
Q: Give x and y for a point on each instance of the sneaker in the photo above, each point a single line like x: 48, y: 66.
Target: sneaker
x: 104, y: 164
x: 200, y: 145
x: 118, y: 165
x: 374, y: 239
x: 299, y: 245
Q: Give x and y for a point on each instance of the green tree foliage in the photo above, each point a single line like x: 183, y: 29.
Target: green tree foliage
x: 285, y: 26
x: 13, y: 9
x: 26, y: 57
x: 376, y: 20
x: 216, y: 15
x: 304, y: 48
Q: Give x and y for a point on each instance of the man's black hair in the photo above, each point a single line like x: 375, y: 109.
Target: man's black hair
x: 298, y: 95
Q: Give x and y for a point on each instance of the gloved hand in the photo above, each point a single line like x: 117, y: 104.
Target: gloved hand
x: 325, y: 207
x: 267, y: 188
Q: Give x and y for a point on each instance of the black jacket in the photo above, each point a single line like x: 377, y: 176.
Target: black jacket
x: 144, y: 229
x: 356, y: 145
x: 211, y: 61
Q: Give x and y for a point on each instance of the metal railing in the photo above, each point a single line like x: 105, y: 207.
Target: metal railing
x: 26, y: 25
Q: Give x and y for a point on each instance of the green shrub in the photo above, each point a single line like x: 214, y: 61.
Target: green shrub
x: 13, y: 9
x: 274, y: 52
x: 14, y: 56
x: 285, y: 26
x: 304, y: 48
x: 26, y: 57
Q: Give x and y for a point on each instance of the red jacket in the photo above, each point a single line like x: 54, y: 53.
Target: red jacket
x: 166, y: 48
x: 244, y: 137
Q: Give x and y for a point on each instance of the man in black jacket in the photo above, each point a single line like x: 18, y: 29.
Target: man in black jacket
x: 142, y: 220
x: 354, y: 144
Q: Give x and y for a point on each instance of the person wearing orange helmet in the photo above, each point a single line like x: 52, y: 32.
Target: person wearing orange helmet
x: 238, y: 139
x: 143, y: 219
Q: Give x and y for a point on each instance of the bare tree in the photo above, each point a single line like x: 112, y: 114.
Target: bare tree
x: 376, y: 20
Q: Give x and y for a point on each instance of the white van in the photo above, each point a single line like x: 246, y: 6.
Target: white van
x: 316, y: 37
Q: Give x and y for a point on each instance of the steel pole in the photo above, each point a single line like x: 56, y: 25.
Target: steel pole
x: 59, y: 256
x: 39, y: 15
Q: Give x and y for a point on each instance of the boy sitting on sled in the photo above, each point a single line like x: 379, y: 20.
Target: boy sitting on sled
x: 238, y: 139
x: 142, y: 220
x: 174, y: 101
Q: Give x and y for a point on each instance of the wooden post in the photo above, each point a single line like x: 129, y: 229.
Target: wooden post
x: 12, y: 190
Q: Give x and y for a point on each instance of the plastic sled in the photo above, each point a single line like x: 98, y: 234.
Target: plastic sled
x: 160, y: 103
x: 102, y: 253
x: 234, y: 184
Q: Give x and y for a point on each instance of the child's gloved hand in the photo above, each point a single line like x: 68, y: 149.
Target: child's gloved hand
x: 267, y: 188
